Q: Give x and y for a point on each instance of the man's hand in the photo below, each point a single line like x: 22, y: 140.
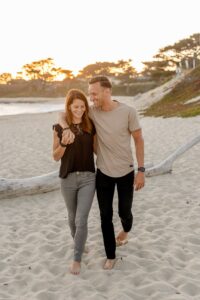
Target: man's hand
x: 68, y: 137
x: 139, y: 181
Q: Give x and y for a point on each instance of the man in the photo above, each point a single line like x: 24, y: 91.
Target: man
x: 115, y: 124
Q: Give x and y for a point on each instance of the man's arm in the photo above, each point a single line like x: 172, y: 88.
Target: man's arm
x: 67, y: 136
x: 139, y: 147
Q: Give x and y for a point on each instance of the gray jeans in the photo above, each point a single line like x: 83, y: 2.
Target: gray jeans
x: 78, y: 191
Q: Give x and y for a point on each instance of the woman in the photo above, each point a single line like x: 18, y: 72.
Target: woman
x: 77, y: 170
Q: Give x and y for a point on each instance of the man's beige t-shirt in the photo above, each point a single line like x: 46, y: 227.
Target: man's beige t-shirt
x: 113, y: 128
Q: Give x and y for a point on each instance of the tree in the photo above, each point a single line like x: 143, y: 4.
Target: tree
x: 125, y: 70
x: 186, y: 49
x: 98, y: 68
x: 121, y: 69
x: 44, y: 70
x: 157, y: 70
x: 5, y: 78
x: 40, y: 69
x: 184, y: 53
x: 63, y: 74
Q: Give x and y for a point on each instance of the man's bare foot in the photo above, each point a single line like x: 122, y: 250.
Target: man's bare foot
x: 109, y: 264
x: 75, y: 267
x: 122, y: 235
x: 122, y: 238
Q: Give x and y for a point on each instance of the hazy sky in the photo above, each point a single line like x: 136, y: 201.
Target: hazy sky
x: 79, y: 32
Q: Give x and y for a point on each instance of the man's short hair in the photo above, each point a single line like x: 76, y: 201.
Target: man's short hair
x: 103, y: 80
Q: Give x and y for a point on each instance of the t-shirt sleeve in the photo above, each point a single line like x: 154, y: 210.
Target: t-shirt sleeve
x: 58, y: 129
x: 133, y: 120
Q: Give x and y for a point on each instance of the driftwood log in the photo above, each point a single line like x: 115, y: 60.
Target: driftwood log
x: 166, y: 165
x: 10, y: 188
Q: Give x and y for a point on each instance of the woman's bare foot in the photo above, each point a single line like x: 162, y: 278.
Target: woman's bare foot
x: 75, y: 267
x: 109, y: 264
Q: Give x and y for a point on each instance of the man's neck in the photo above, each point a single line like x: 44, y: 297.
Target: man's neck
x: 109, y: 105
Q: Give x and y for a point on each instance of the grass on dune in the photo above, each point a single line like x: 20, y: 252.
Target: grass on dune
x: 172, y: 104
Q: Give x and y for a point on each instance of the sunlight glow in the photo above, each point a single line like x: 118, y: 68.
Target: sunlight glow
x: 77, y: 33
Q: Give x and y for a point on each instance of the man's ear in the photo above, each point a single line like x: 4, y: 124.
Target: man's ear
x: 107, y: 91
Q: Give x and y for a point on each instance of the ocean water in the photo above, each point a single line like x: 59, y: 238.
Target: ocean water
x: 28, y: 108
x: 16, y: 108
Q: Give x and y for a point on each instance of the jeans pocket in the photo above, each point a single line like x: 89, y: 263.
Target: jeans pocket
x: 89, y: 177
x: 69, y: 181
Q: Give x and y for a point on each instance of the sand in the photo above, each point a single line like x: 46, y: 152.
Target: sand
x: 161, y: 260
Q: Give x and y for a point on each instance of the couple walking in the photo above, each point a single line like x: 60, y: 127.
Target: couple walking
x: 105, y: 128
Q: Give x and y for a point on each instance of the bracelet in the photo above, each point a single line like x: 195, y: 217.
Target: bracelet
x: 65, y: 128
x: 63, y: 145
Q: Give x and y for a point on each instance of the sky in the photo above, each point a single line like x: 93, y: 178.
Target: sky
x: 76, y: 33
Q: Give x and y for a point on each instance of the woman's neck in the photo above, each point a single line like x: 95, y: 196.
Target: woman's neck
x: 76, y: 121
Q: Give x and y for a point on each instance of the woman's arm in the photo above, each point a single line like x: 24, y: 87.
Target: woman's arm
x: 58, y: 150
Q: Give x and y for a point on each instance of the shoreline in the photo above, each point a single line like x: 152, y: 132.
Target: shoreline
x: 31, y: 100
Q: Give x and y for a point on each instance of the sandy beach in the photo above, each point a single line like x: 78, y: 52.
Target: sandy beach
x: 161, y: 260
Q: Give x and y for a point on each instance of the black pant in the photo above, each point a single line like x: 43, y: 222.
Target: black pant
x: 105, y: 186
